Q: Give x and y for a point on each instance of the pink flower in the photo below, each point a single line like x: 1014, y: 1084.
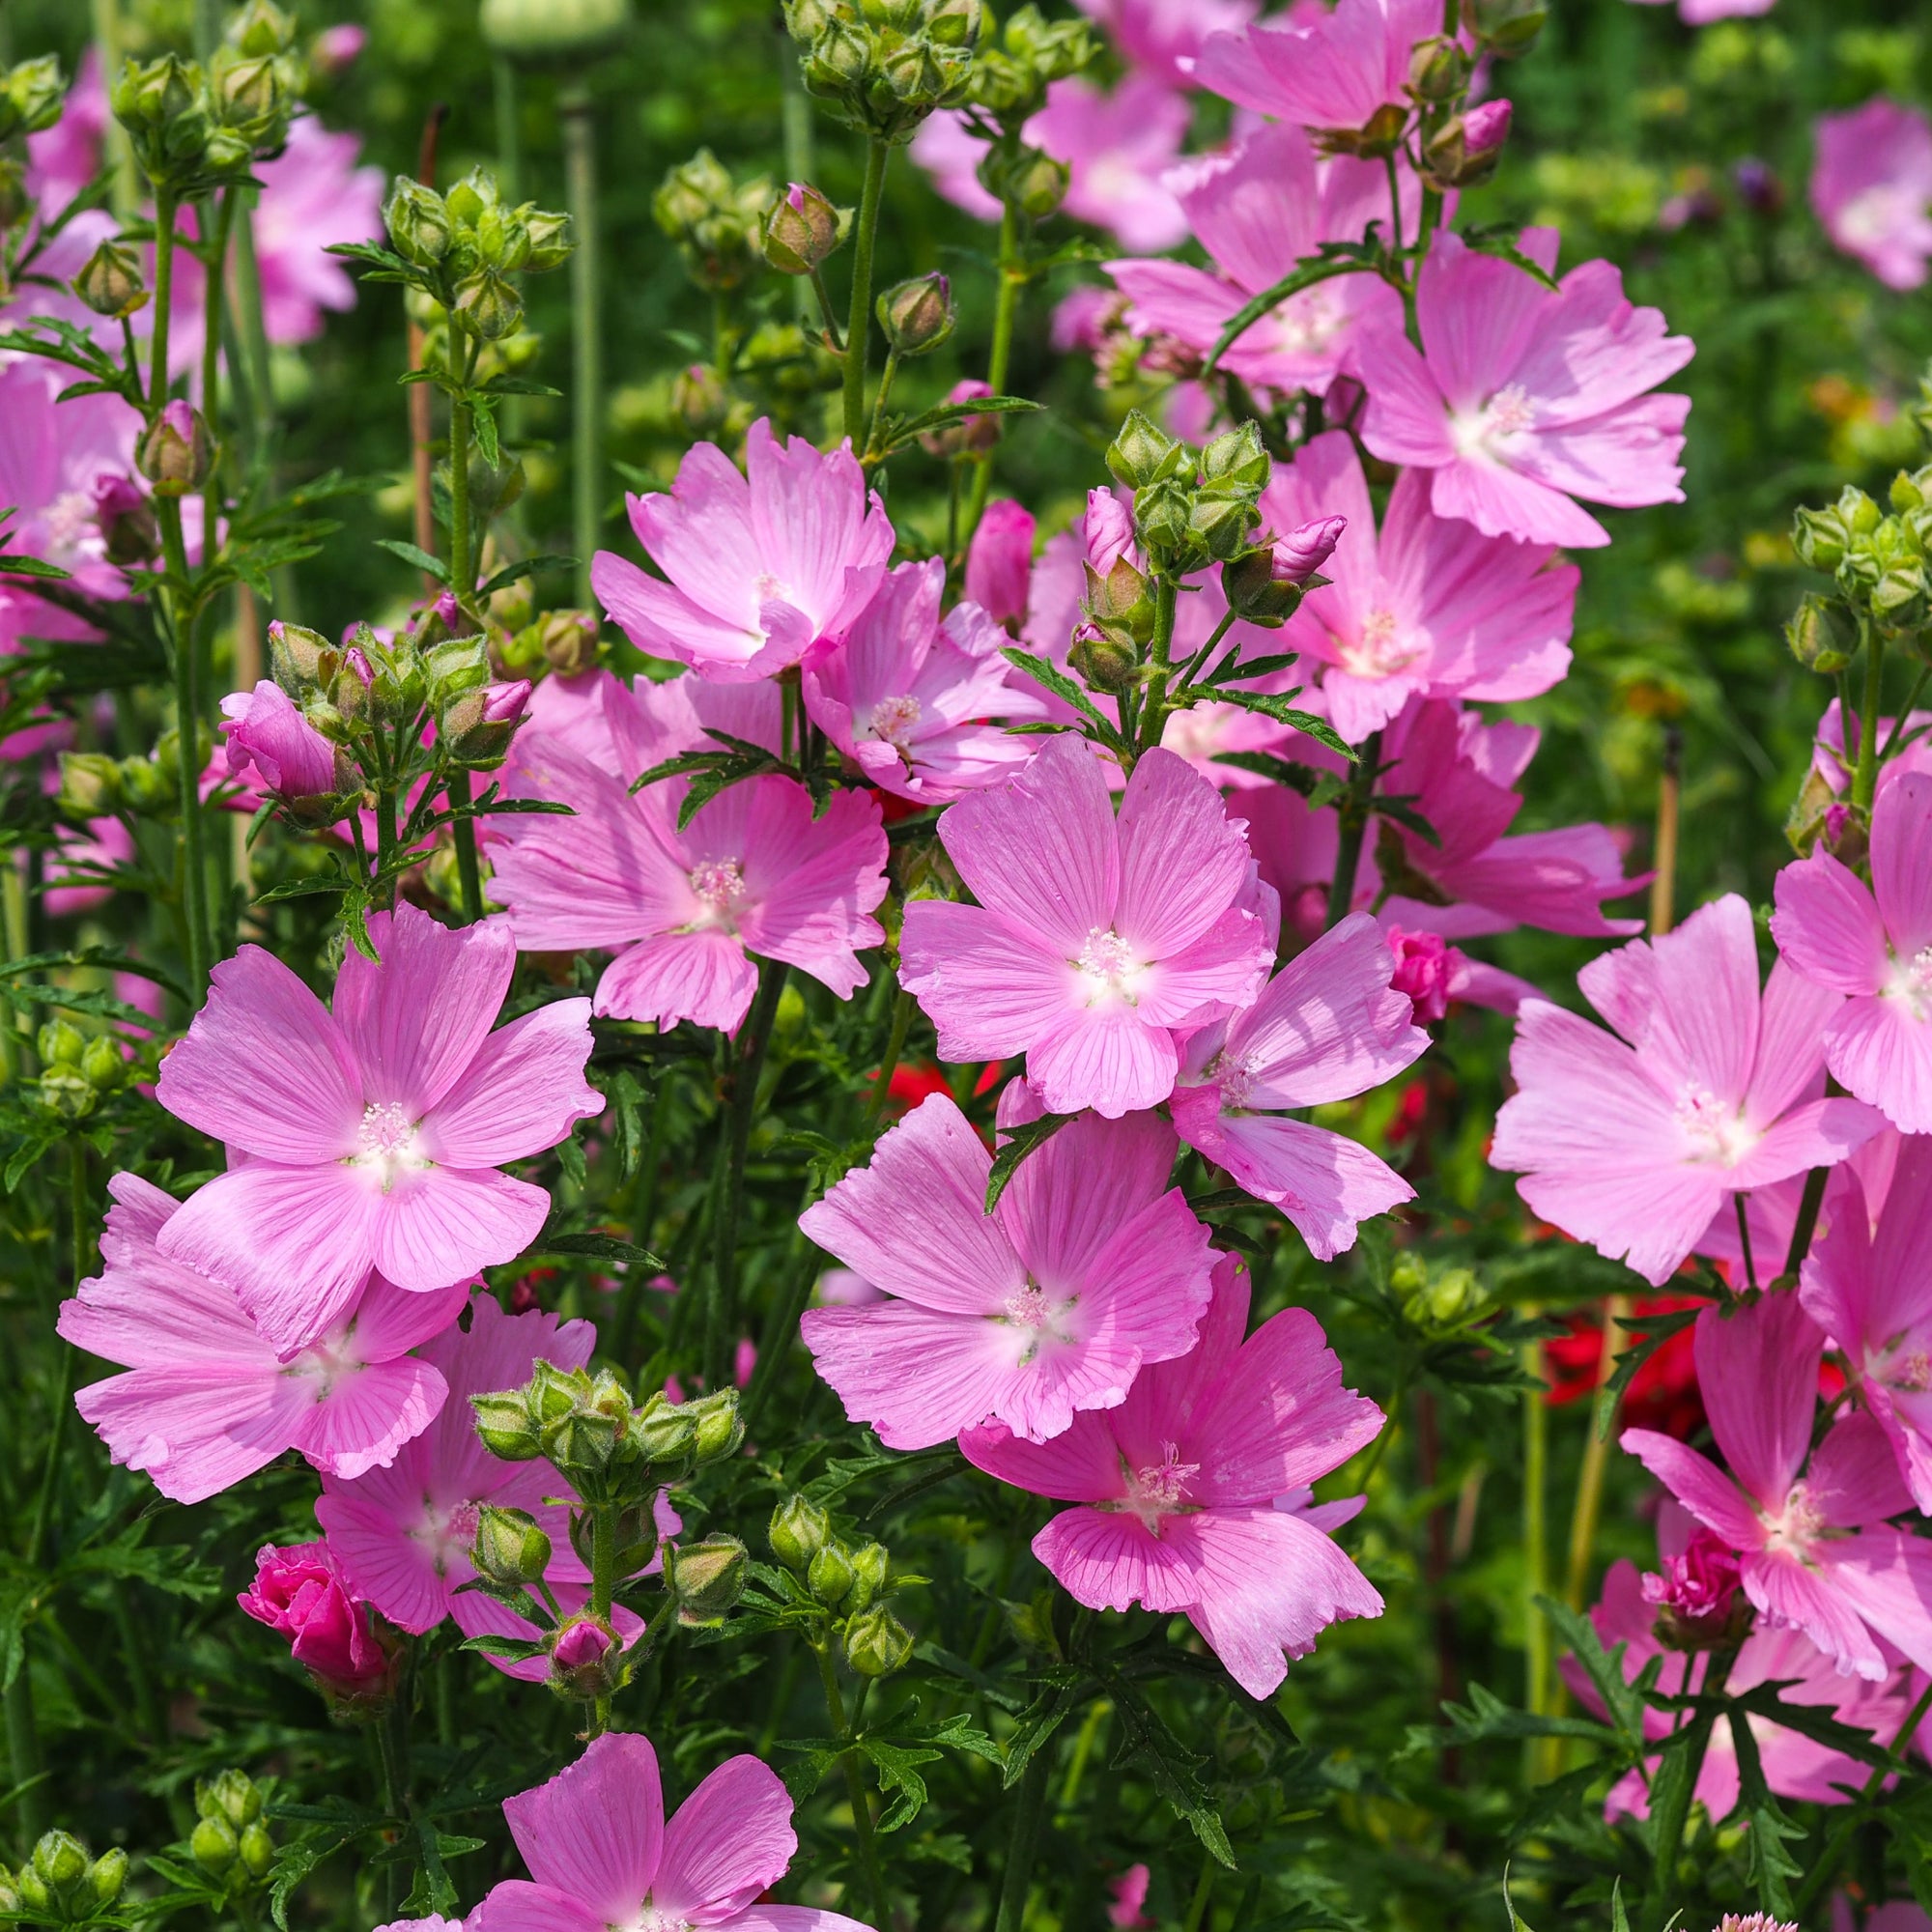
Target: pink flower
x: 1306, y: 549
x: 1129, y: 1891
x: 1873, y: 945
x: 1429, y: 607
x: 1794, y: 1765
x: 1698, y: 1583
x: 1867, y: 1282
x: 1092, y: 937
x: 1423, y: 971
x: 372, y: 1136
x: 84, y: 867
x: 761, y: 567
x: 1327, y: 1026
x: 913, y: 701
x: 1809, y: 1525
x: 337, y: 48
x: 1194, y: 1493
x: 1108, y: 528
x: 1524, y: 398
x: 753, y: 873
x: 1162, y: 36
x: 1258, y: 212
x: 300, y: 1591
x: 1871, y: 185
x: 1116, y: 146
x: 1335, y: 72
x: 999, y: 561
x: 403, y: 1534
x: 1702, y: 13
x: 270, y: 740
x: 1634, y: 1147
x: 206, y: 1401
x: 600, y: 1853
x: 1089, y: 1267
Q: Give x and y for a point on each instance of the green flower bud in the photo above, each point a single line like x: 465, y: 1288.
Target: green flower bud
x: 31, y: 97
x: 1105, y: 663
x: 487, y: 305
x: 1143, y: 453
x: 582, y: 1443
x: 798, y: 1532
x: 876, y: 1642
x: 554, y: 29
x: 1379, y: 136
x: 1821, y: 635
x: 214, y: 1846
x: 869, y: 1565
x: 176, y: 454
x: 720, y: 1432
x: 663, y: 1431
x: 511, y: 1547
x: 90, y: 784
x: 567, y: 640
x: 1438, y: 69
x: 1507, y: 28
x: 829, y: 1575
x: 230, y: 1795
x: 105, y: 1878
x: 954, y: 23
x: 461, y: 664
x: 258, y: 1850
x: 1037, y: 183
x: 505, y: 1423
x: 419, y: 222
x: 552, y: 241
x: 708, y: 1577
x: 299, y: 660
x: 1220, y: 523
x: 60, y: 1861
x: 801, y: 231
x: 101, y: 1065
x: 255, y: 98
x: 60, y: 1043
x: 163, y: 103
x: 110, y: 284
x: 1238, y: 461
x: 9, y: 1891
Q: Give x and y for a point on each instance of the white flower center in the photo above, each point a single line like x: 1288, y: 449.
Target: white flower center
x: 1379, y: 649
x: 1038, y: 1320
x: 719, y: 887
x: 70, y: 527
x: 1870, y: 220
x: 1712, y: 1131
x: 1110, y: 968
x: 1799, y: 1524
x: 1307, y: 325
x: 1911, y: 983
x: 1234, y: 1079
x: 1160, y: 1488
x: 1507, y: 414
x: 654, y: 1918
x: 387, y: 1143
x: 893, y: 720
x: 448, y: 1534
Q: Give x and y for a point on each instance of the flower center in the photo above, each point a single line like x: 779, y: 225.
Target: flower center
x: 1876, y: 216
x: 70, y: 523
x: 1712, y: 1131
x: 1110, y: 967
x: 1912, y: 983
x: 1159, y: 1489
x: 1381, y: 649
x: 719, y: 887
x: 387, y: 1143
x: 1038, y: 1320
x: 1307, y: 325
x: 654, y: 1918
x: 1507, y: 414
x: 1234, y: 1079
x: 450, y: 1534
x: 1799, y: 1524
x: 893, y: 720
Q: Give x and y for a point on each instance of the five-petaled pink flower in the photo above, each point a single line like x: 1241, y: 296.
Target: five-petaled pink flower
x: 1429, y: 607
x: 370, y: 1136
x: 601, y: 1855
x: 760, y: 566
x: 1093, y: 936
x: 1524, y: 398
x: 1634, y: 1142
x: 1809, y: 1525
x: 1089, y: 1267
x: 1327, y: 1026
x: 1871, y: 186
x: 1873, y: 945
x: 206, y: 1401
x: 1193, y: 1496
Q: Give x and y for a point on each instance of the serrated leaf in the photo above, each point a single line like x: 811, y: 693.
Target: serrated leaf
x: 1064, y: 687
x: 1285, y: 712
x: 300, y: 888
x: 1254, y: 668
x: 948, y: 416
x: 1605, y: 1668
x: 1018, y: 1143
x: 430, y: 566
x: 1657, y: 1330
x: 599, y: 1248
x: 30, y: 566
x: 1485, y: 243
x: 897, y: 1765
x: 1249, y: 313
x: 517, y: 1649
x: 1146, y: 1740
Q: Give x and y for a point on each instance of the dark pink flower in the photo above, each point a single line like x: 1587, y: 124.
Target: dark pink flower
x: 999, y: 561
x: 299, y: 1590
x: 268, y: 738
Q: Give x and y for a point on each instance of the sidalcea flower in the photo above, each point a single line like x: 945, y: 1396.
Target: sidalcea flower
x: 1871, y: 187
x: 1872, y: 945
x: 1632, y: 1143
x: 914, y: 700
x: 1327, y: 1026
x: 1116, y: 146
x: 1807, y: 1525
x: 1258, y: 212
x: 999, y: 561
x: 207, y: 1401
x: 1524, y: 398
x: 753, y: 873
x: 370, y: 1136
x: 600, y: 1854
x: 1867, y: 1282
x: 1341, y: 73
x: 403, y: 1534
x: 300, y: 1591
x: 757, y: 568
x: 1162, y: 36
x: 1429, y: 607
x: 1193, y: 1496
x: 270, y: 742
x: 1089, y: 1267
x: 1093, y: 936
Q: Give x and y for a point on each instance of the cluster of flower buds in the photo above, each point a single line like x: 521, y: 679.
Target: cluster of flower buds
x: 718, y: 223
x: 230, y: 1842
x: 31, y: 94
x: 1013, y: 68
x: 1438, y: 1301
x: 256, y: 77
x: 78, y: 1070
x: 1877, y: 559
x: 884, y: 66
x: 192, y: 129
x: 60, y: 1885
x: 462, y: 248
x: 1190, y: 510
x: 849, y: 1585
x: 94, y: 784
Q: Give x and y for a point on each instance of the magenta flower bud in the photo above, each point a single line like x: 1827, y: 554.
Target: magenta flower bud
x: 999, y: 561
x: 970, y: 432
x: 580, y: 1643
x: 1696, y: 1595
x: 448, y: 613
x: 1302, y: 552
x: 1421, y: 968
x: 336, y: 49
x: 1484, y: 127
x: 1109, y: 530
x: 503, y: 704
x: 126, y: 520
x: 270, y: 741
x: 584, y: 1659
x: 175, y: 454
x: 354, y: 659
x: 300, y: 1591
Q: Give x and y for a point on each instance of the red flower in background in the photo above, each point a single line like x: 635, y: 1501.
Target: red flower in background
x: 1662, y: 1395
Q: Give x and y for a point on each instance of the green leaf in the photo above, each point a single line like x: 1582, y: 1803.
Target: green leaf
x: 1284, y: 713
x: 30, y: 566
x: 485, y: 423
x: 1249, y: 313
x: 516, y: 1649
x: 1037, y: 1725
x: 515, y: 385
x: 1146, y: 1739
x: 1063, y: 687
x: 1254, y: 668
x: 816, y: 1756
x: 598, y: 1248
x: 529, y: 566
x: 1619, y: 1696
x: 1771, y: 1866
x: 948, y: 416
x: 301, y: 889
x: 898, y: 1772
x: 430, y: 566
x: 1017, y: 1144
x: 295, y: 1863
x: 1657, y: 1330
x: 1815, y: 1722
x: 1503, y: 245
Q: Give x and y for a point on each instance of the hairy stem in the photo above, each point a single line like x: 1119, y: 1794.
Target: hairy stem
x: 468, y: 873
x: 1154, y: 715
x: 859, y: 315
x: 1865, y: 773
x: 188, y: 725
x: 855, y: 1788
x: 1023, y: 1847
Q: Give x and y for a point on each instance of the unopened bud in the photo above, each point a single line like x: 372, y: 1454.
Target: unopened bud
x: 870, y: 1568
x: 876, y: 1642
x: 419, y: 222
x: 1465, y: 153
x: 506, y: 1427
x: 708, y: 1577
x: 1821, y: 635
x: 1237, y: 460
x: 798, y: 1532
x: 214, y: 1846
x: 916, y: 315
x: 126, y: 517
x: 719, y: 1428
x: 460, y: 665
x: 1438, y: 69
x: 584, y: 1659
x: 105, y: 1878
x: 59, y: 1860
x: 258, y: 1850
x: 568, y: 641
x: 175, y: 454
x: 511, y: 1547
x: 1507, y: 28
x: 487, y: 305
x: 1143, y: 453
x: 299, y: 657
x: 1104, y: 663
x: 801, y: 231
x: 31, y: 94
x: 665, y: 1432
x: 60, y: 1043
x: 90, y: 784
x: 829, y: 1575
x: 232, y: 1795
x: 101, y: 1065
x: 110, y: 284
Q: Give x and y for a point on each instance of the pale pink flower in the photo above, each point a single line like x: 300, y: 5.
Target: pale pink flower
x: 1702, y: 13
x: 206, y: 1401
x: 1260, y: 210
x: 999, y: 560
x: 753, y: 873
x: 1871, y: 187
x: 1092, y: 937
x: 1327, y: 1027
x: 1162, y: 36
x: 600, y: 1854
x: 300, y: 1592
x: 403, y: 1534
x: 915, y: 700
x: 1872, y: 945
x: 270, y: 740
x: 1809, y: 1525
x: 1634, y: 1142
x: 1867, y: 1282
x: 1193, y: 1494
x: 1108, y: 529
x: 1427, y: 607
x: 82, y: 866
x: 1524, y: 398
x: 1116, y: 146
x: 760, y: 567
x: 1129, y: 1896
x: 1089, y: 1267
x: 1334, y: 73
x: 370, y: 1136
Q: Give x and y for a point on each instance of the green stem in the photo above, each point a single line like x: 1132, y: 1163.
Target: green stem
x: 23, y: 1748
x: 1353, y: 824
x: 386, y: 844
x: 1671, y: 1792
x: 469, y: 874
x: 509, y: 130
x: 859, y: 316
x: 164, y: 286
x: 1204, y: 1891
x: 1807, y: 1223
x: 187, y: 726
x: 1200, y: 657
x: 80, y: 1217
x: 586, y: 321
x: 887, y: 376
x: 720, y: 1317
x: 1005, y: 309
x: 1154, y: 715
x: 902, y: 1006
x: 1865, y: 773
x: 461, y: 566
x: 127, y: 192
x: 1904, y: 718
x: 855, y: 1788
x: 1535, y: 1529
x: 1023, y: 1848
x: 603, y: 1591
x: 392, y: 1741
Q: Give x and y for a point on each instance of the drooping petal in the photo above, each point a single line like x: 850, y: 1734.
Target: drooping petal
x: 700, y: 977
x: 395, y: 1571
x: 1108, y: 1058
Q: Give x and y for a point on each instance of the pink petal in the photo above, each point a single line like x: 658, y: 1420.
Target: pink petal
x: 729, y: 1839
x: 1827, y: 925
x: 1854, y: 1477
x: 1502, y: 504
x: 368, y: 1414
x: 395, y: 1571
x: 1108, y: 1058
x: 700, y: 977
x: 1824, y: 1606
x: 1109, y: 1561
x: 524, y: 1090
x: 1819, y: 1134
x: 1901, y: 861
x: 1882, y: 1050
x: 444, y: 1224
x: 518, y: 1906
x: 595, y: 1831
x: 1757, y: 1369
x: 1886, y: 1576
x: 1181, y: 861
x: 1094, y: 1179
x: 1697, y: 1481
x: 1790, y: 1043
x: 1081, y: 1465
x: 989, y: 985
x: 794, y: 1918
x: 388, y: 1320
